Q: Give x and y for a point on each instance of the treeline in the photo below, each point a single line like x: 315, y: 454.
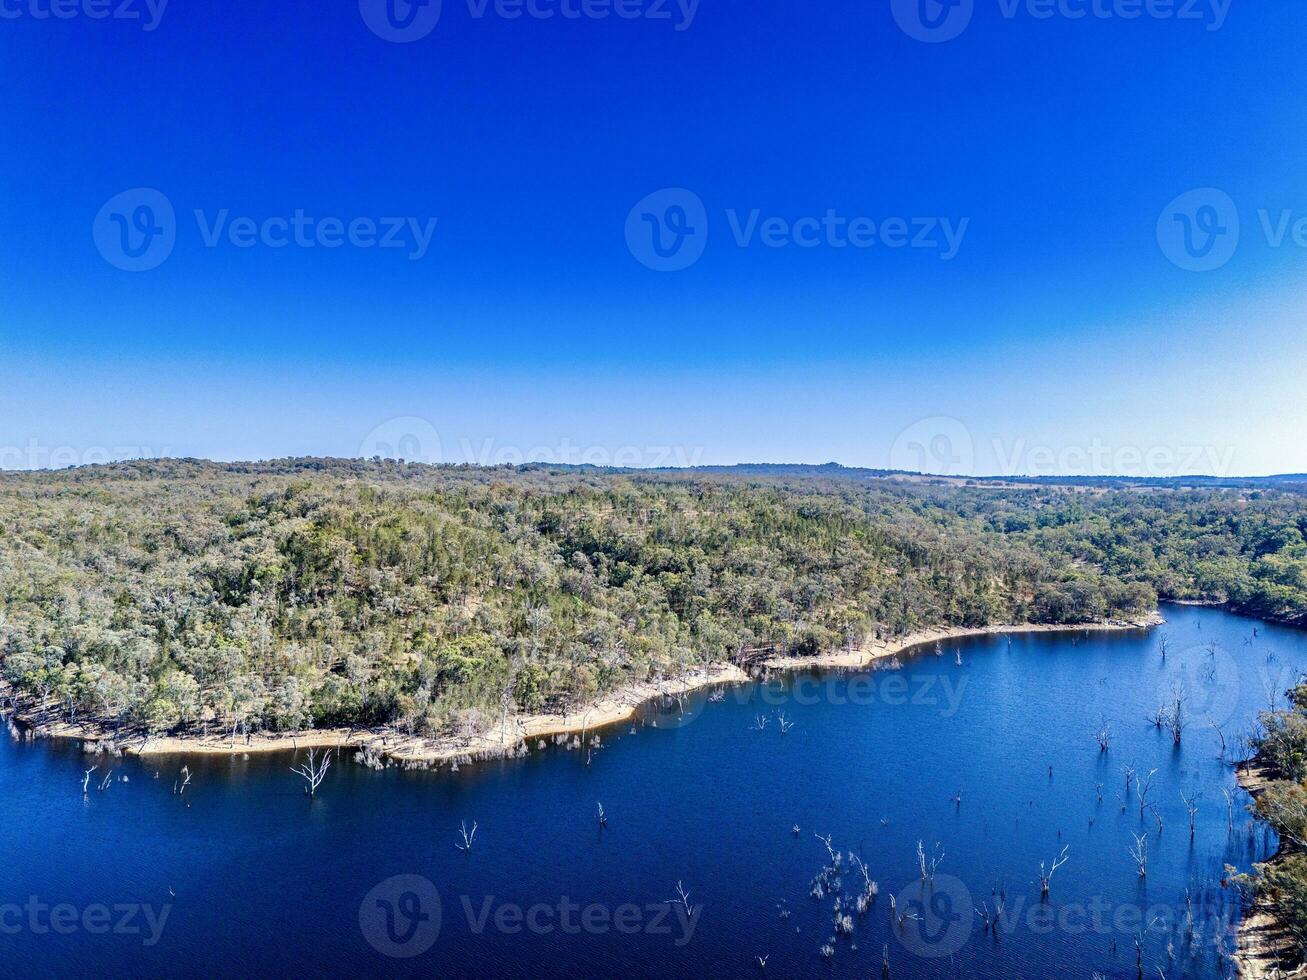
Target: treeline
x: 1281, y: 752
x: 305, y: 593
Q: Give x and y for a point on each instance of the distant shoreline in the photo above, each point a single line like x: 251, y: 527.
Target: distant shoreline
x: 501, y: 740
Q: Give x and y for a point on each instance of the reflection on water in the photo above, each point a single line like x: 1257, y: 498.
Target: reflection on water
x: 776, y: 821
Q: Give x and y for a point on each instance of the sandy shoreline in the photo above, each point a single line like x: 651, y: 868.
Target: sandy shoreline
x: 1262, y: 938
x: 394, y: 744
x: 502, y: 739
x: 876, y: 650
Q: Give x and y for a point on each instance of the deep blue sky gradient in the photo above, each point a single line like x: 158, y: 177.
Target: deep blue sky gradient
x: 530, y: 323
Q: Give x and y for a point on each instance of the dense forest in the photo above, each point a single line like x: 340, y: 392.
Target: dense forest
x: 302, y: 593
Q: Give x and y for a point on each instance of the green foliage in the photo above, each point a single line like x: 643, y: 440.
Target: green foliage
x: 326, y: 592
x: 1281, y: 742
x: 1281, y: 747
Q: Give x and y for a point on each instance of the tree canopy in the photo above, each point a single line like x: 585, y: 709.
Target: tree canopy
x: 300, y: 593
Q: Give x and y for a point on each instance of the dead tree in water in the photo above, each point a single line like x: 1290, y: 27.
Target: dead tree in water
x: 1229, y: 809
x: 1191, y: 804
x: 1221, y: 735
x: 830, y: 850
x: 928, y: 866
x: 1156, y: 811
x: 603, y: 817
x: 468, y: 836
x: 1044, y: 879
x: 313, y: 771
x: 1103, y: 736
x: 180, y: 788
x: 1140, y: 853
x: 869, y: 888
x: 1175, y: 719
x: 683, y: 900
x: 86, y: 778
x: 1142, y: 786
x: 785, y: 723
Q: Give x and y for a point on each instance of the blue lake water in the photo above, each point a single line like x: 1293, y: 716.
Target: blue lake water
x: 242, y: 875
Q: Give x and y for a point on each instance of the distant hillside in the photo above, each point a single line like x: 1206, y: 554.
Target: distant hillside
x: 1293, y: 482
x: 298, y: 592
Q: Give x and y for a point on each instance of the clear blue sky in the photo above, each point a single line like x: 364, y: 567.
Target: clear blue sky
x: 528, y: 323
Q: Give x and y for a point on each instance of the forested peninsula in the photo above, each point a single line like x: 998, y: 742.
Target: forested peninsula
x: 182, y: 596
